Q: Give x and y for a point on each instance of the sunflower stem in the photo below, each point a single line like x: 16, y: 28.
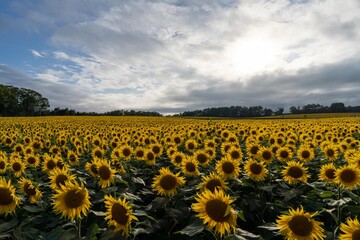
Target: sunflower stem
x: 79, y: 227
x: 339, y: 206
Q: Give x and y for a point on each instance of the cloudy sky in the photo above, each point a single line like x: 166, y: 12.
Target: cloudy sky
x: 176, y: 55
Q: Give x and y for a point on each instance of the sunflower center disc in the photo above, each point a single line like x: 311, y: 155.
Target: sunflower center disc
x: 301, y: 226
x: 305, y: 154
x: 266, y: 155
x: 201, y: 158
x: 168, y: 182
x: 104, y: 172
x: 216, y: 210
x: 74, y: 198
x: 330, y: 173
x: 190, y: 167
x: 235, y: 155
x: 29, y: 190
x: 156, y: 149
x: 50, y: 164
x: 119, y: 214
x: 2, y: 165
x: 228, y: 167
x: 178, y: 159
x: 126, y: 152
x: 212, y: 184
x: 295, y: 172
x: 330, y: 152
x: 94, y: 169
x: 150, y: 156
x: 255, y: 168
x: 254, y: 150
x: 348, y: 176
x: 356, y: 235
x: 16, y: 166
x: 191, y: 146
x: 284, y: 154
x: 98, y: 154
x: 31, y: 160
x: 72, y: 158
x: 139, y: 154
x: 60, y: 180
x: 5, y: 196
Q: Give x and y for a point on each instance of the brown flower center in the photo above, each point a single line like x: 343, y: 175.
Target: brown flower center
x: 190, y: 167
x: 301, y: 226
x: 104, y: 172
x: 191, y: 146
x: 266, y: 155
x: 255, y: 168
x: 235, y: 154
x: 295, y: 172
x: 29, y: 189
x: 156, y: 149
x: 284, y: 154
x: 5, y: 197
x: 216, y: 210
x: 178, y: 159
x: 119, y: 213
x: 348, y: 176
x: 305, y: 154
x: 60, y: 180
x: 16, y: 166
x: 126, y: 152
x: 2, y: 165
x: 228, y: 167
x: 330, y: 173
x: 168, y: 182
x: 213, y: 184
x: 94, y: 169
x: 330, y: 152
x: 254, y: 150
x: 74, y: 198
x: 31, y: 160
x: 201, y: 158
x: 150, y: 156
x: 50, y: 164
x: 356, y: 235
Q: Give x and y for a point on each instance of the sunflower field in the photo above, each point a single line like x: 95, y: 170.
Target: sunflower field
x: 176, y: 178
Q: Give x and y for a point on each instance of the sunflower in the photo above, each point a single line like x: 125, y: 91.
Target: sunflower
x: 265, y: 154
x: 55, y: 150
x: 32, y: 160
x: 305, y: 153
x: 214, y: 208
x: 255, y: 170
x: 149, y: 157
x: 211, y: 152
x: 105, y: 173
x: 284, y: 154
x: 331, y: 152
x: 92, y: 167
x: 72, y: 157
x: 17, y: 166
x: 18, y: 148
x: 225, y: 147
x: 177, y: 158
x: 28, y: 188
x: 252, y: 149
x: 119, y: 214
x: 59, y: 177
x: 8, y: 198
x: 212, y: 182
x: 177, y: 139
x: 167, y: 183
x: 327, y: 173
x: 228, y: 167
x: 191, y: 145
x: 139, y: 153
x: 49, y: 164
x: 300, y: 225
x: 3, y: 165
x: 348, y: 177
x: 202, y: 157
x: 350, y: 229
x: 72, y: 201
x: 235, y: 153
x: 97, y: 152
x: 295, y: 172
x: 190, y: 166
x: 157, y: 149
x: 125, y: 151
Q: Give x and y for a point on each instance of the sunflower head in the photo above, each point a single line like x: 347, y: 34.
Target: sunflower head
x: 294, y: 172
x: 167, y: 183
x: 177, y: 158
x: 298, y: 224
x: 327, y: 173
x: 8, y: 198
x: 17, y: 166
x: 256, y: 170
x: 265, y: 154
x: 214, y: 208
x: 228, y: 167
x: 350, y: 229
x: 348, y: 177
x: 305, y: 153
x: 71, y: 201
x: 212, y: 182
x: 105, y: 173
x: 3, y: 165
x: 202, y: 157
x: 190, y: 166
x: 59, y: 177
x: 119, y: 214
x: 28, y: 188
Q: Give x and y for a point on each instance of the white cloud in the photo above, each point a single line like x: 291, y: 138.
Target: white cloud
x: 150, y: 54
x: 37, y: 54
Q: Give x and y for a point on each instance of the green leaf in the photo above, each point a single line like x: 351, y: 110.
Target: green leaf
x: 269, y: 226
x: 157, y: 203
x: 138, y: 180
x: 6, y: 226
x: 191, y: 230
x: 33, y: 209
x: 326, y: 194
x: 246, y: 234
x: 98, y: 213
x: 92, y: 231
x: 69, y: 234
x: 110, y: 190
x: 241, y: 216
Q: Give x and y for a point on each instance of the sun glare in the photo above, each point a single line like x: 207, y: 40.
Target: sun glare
x: 252, y: 55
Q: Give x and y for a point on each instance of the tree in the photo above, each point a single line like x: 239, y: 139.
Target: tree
x: 337, y: 107
x: 279, y: 111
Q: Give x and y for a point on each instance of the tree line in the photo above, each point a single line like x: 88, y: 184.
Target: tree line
x: 26, y: 102
x: 259, y: 111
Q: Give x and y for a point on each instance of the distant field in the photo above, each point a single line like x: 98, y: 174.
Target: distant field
x: 313, y: 115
